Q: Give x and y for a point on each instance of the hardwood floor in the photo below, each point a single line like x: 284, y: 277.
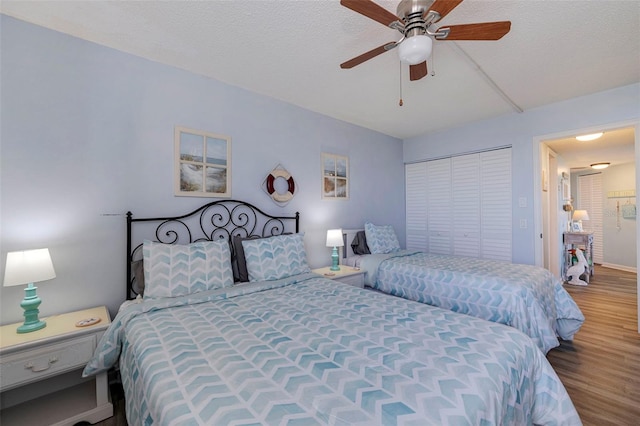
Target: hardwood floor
x: 600, y: 368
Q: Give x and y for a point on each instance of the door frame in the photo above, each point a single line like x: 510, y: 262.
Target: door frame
x: 552, y: 243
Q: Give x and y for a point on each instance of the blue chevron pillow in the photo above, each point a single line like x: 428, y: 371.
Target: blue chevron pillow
x: 381, y: 239
x: 172, y: 270
x: 276, y: 257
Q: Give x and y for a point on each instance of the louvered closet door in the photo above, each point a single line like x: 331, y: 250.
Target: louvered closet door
x: 467, y: 200
x: 590, y: 199
x: 465, y: 178
x: 439, y: 207
x: 416, y: 206
x: 495, y: 207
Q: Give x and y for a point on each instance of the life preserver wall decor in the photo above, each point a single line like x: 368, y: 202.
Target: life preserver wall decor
x: 269, y: 185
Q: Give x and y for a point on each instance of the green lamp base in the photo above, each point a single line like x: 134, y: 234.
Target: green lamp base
x: 334, y: 260
x: 27, y: 328
x: 30, y: 305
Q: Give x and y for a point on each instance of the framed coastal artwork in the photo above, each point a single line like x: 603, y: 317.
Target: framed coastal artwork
x: 202, y: 163
x: 335, y: 176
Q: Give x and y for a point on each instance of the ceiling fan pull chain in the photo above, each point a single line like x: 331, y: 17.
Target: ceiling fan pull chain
x: 433, y: 61
x: 400, y: 75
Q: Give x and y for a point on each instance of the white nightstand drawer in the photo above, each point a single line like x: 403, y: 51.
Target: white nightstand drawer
x: 354, y: 280
x: 35, y: 364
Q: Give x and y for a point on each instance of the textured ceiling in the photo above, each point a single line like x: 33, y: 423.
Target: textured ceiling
x: 291, y: 50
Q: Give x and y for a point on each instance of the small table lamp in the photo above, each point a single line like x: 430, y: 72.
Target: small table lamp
x: 579, y: 216
x: 27, y: 267
x: 334, y: 239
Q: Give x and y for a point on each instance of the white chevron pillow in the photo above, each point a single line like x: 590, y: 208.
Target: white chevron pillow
x: 172, y: 270
x: 276, y: 257
x: 381, y: 238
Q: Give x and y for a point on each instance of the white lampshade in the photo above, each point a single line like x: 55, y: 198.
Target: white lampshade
x: 415, y: 50
x: 29, y: 266
x: 334, y: 238
x: 580, y: 215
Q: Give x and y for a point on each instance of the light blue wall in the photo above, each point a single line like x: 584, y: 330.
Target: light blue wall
x: 519, y: 130
x: 619, y: 233
x: 88, y: 131
x: 619, y: 243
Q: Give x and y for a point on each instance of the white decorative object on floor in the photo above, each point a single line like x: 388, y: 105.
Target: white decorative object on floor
x: 578, y: 269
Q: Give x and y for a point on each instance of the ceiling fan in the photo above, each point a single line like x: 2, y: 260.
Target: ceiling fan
x: 415, y: 20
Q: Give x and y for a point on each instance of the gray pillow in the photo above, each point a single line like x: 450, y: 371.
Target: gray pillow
x: 138, y: 272
x: 240, y: 273
x: 359, y: 244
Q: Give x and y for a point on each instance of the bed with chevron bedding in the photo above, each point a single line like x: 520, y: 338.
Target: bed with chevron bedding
x: 290, y: 347
x: 527, y: 297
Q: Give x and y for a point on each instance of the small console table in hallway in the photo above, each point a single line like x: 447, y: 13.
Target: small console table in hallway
x: 583, y: 241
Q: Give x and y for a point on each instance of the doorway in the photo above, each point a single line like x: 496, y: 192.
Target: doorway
x: 553, y: 166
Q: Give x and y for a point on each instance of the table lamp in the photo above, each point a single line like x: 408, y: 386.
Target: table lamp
x: 334, y: 239
x: 28, y: 267
x: 579, y: 216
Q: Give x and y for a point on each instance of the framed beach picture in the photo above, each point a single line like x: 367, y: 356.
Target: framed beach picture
x: 335, y: 176
x: 202, y: 163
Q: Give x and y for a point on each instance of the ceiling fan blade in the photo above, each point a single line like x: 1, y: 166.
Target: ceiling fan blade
x: 368, y: 55
x: 482, y: 31
x: 443, y: 7
x: 416, y: 72
x: 371, y: 10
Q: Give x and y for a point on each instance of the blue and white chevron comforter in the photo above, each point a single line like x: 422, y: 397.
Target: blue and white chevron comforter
x: 526, y: 297
x: 309, y: 351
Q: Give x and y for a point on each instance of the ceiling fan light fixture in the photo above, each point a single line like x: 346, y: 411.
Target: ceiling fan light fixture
x: 589, y: 137
x: 415, y: 49
x: 599, y: 166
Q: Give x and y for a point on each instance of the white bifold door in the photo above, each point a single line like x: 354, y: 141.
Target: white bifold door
x: 590, y: 199
x: 461, y: 205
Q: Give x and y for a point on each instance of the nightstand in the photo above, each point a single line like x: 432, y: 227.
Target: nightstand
x: 40, y: 372
x: 346, y: 274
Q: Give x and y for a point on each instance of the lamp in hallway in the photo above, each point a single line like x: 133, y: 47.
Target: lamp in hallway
x: 28, y: 267
x: 334, y: 239
x: 577, y: 218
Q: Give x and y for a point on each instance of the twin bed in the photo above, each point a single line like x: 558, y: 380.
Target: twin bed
x: 291, y: 347
x: 526, y: 297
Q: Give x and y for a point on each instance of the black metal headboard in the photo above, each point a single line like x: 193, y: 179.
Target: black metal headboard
x: 215, y: 220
